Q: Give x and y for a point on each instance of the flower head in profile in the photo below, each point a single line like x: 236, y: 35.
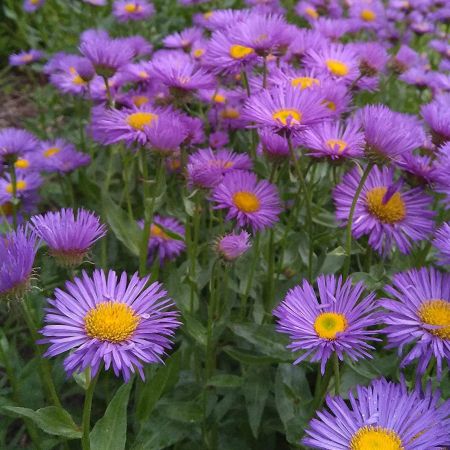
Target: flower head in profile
x: 125, y: 10
x: 252, y: 203
x: 335, y: 320
x: 59, y: 156
x: 15, y: 142
x: 184, y: 39
x: 30, y: 6
x: 69, y: 234
x: 274, y: 146
x: 166, y: 134
x: 334, y: 141
x: 25, y: 57
x: 110, y: 320
x: 17, y: 253
x: 441, y: 241
x: 206, y: 168
x: 383, y: 415
x: 286, y: 108
x: 166, y: 239
x: 232, y: 246
x: 386, y: 211
x: 437, y: 116
x: 418, y: 316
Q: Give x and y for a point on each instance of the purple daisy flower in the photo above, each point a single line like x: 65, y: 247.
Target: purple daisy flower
x: 26, y: 185
x: 383, y: 415
x: 166, y: 134
x: 184, y: 39
x: 442, y: 242
x: 138, y: 44
x: 332, y: 140
x: 69, y: 235
x: 419, y: 316
x: 125, y: 10
x: 337, y: 61
x: 385, y: 211
x: 60, y: 156
x: 304, y: 40
x: 207, y: 168
x: 389, y: 134
x: 161, y: 244
x: 437, y: 116
x: 106, y: 55
x: 25, y: 57
x: 285, y: 108
x: 334, y: 321
x: 251, y: 202
x: 274, y: 146
x: 333, y: 29
x: 232, y: 246
x: 17, y: 252
x: 372, y: 57
x: 15, y: 142
x: 30, y: 6
x: 110, y: 320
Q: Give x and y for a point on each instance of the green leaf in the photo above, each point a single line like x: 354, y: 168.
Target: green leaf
x: 248, y: 357
x: 256, y: 391
x: 110, y: 432
x: 185, y: 412
x: 166, y: 377
x: 126, y: 230
x: 194, y: 328
x: 225, y: 381
x: 52, y: 420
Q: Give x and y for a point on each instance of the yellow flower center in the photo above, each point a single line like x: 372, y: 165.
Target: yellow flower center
x: 140, y: 119
x: 52, y: 151
x: 330, y: 105
x: 219, y: 98
x: 143, y: 74
x: 287, y: 116
x: 22, y: 163
x: 230, y: 113
x: 376, y: 438
x: 305, y: 82
x: 328, y: 325
x: 111, y: 321
x: 20, y: 186
x: 207, y: 15
x: 132, y: 8
x: 437, y: 313
x: 368, y: 15
x: 240, y: 52
x: 34, y: 2
x: 76, y: 79
x: 156, y: 231
x: 7, y: 209
x: 339, y: 143
x: 336, y: 67
x: 312, y: 12
x: 246, y: 201
x: 392, y: 211
x: 198, y: 53
x: 139, y: 100
x: 28, y: 57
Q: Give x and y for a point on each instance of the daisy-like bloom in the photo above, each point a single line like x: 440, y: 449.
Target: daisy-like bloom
x: 338, y: 61
x: 304, y: 40
x: 218, y: 139
x: 15, y: 142
x: 30, y: 6
x: 25, y: 57
x: 106, y: 55
x: 368, y: 14
x: 252, y: 203
x: 420, y: 168
x: 166, y: 134
x: 108, y: 319
x: 297, y: 78
x: 437, y: 116
x: 336, y: 97
x: 406, y: 58
x: 307, y: 10
x: 179, y: 72
x: 372, y: 57
x: 286, y: 108
x: 184, y: 39
x: 332, y: 140
x: 334, y: 321
x: 69, y: 234
x: 26, y: 185
x: 162, y: 245
x: 138, y: 44
x: 389, y: 134
x: 385, y: 211
x: 224, y: 55
x: 419, y: 316
x: 274, y: 146
x: 333, y: 29
x: 17, y: 252
x: 109, y: 126
x: 383, y: 415
x: 125, y: 10
x: 59, y: 156
x: 221, y: 19
x: 207, y: 168
x: 232, y: 246
x: 442, y: 242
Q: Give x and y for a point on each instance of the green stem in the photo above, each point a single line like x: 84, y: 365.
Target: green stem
x: 108, y: 93
x: 212, y: 306
x: 193, y: 251
x: 13, y: 179
x: 308, y: 208
x: 270, y: 271
x: 321, y: 387
x: 245, y: 82
x: 348, y: 242
x: 264, y: 72
x: 337, y: 377
x: 251, y: 274
x: 44, y: 367
x: 86, y: 419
